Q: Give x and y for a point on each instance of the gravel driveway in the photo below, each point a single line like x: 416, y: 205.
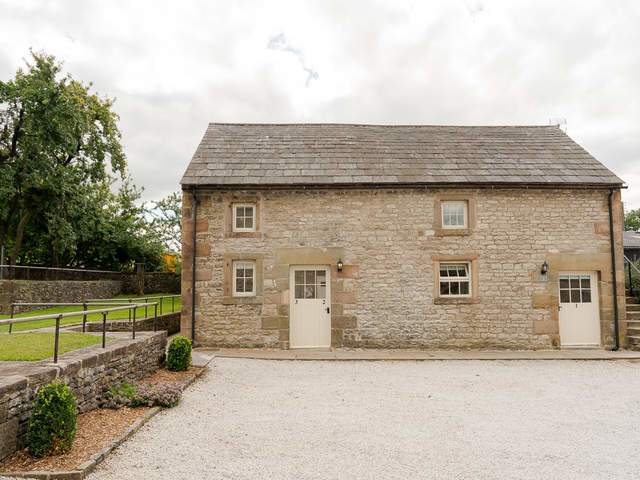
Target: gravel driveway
x: 255, y: 419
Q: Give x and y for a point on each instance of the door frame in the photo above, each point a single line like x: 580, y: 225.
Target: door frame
x: 595, y: 298
x: 292, y: 269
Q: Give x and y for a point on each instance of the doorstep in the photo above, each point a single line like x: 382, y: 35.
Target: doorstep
x: 402, y: 354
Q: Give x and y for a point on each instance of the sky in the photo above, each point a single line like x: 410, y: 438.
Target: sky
x: 174, y: 66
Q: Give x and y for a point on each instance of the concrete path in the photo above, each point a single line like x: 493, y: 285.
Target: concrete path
x: 525, y: 420
x: 374, y: 354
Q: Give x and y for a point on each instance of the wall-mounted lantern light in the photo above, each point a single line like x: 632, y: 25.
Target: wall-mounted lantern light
x: 545, y: 268
x: 340, y: 265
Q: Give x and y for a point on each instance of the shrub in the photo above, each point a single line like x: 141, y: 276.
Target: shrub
x: 120, y: 395
x: 52, y: 427
x: 179, y: 354
x: 160, y: 394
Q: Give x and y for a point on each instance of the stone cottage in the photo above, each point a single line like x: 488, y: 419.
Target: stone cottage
x: 325, y: 235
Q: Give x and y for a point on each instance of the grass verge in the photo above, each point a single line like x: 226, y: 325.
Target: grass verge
x: 38, y: 346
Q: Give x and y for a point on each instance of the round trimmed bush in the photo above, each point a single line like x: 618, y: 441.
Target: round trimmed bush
x: 52, y: 427
x: 179, y: 354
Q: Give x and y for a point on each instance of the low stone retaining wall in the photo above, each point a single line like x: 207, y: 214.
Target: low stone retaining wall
x: 40, y: 291
x: 89, y: 372
x: 169, y: 322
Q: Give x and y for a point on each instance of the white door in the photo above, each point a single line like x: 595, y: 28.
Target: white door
x: 310, y: 312
x: 579, y: 311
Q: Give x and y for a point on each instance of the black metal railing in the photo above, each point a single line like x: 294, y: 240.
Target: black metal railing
x: 633, y: 277
x: 59, y: 316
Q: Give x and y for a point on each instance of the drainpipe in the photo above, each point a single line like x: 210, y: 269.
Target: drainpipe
x: 613, y: 275
x: 194, y: 206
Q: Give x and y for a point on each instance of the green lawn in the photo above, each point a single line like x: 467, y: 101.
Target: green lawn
x: 38, y: 346
x: 122, y: 314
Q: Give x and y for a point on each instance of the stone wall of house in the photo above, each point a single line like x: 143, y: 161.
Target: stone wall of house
x: 89, y: 372
x: 170, y: 322
x: 390, y: 244
x: 39, y: 291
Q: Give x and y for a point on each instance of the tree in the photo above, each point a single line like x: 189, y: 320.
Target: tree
x: 166, y: 215
x: 632, y: 220
x: 57, y: 140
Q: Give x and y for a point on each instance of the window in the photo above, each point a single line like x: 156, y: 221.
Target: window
x: 455, y: 279
x: 575, y: 289
x: 244, y: 279
x: 310, y: 283
x: 244, y: 217
x: 454, y: 214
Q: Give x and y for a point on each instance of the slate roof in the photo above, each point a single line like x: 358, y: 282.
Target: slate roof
x: 340, y: 154
x: 631, y: 239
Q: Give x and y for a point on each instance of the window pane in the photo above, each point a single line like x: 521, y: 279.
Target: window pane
x: 239, y: 285
x: 453, y: 271
x: 310, y: 276
x: 248, y: 284
x: 575, y: 282
x: 443, y: 271
x: 299, y: 277
x: 575, y: 296
x: 321, y: 292
x: 248, y: 272
x: 444, y: 288
x: 564, y: 296
x: 321, y: 277
x: 586, y: 296
x: 310, y: 291
x: 239, y: 211
x: 299, y: 291
x: 462, y: 270
x: 464, y: 288
x: 564, y: 283
x: 248, y: 222
x: 585, y: 282
x: 239, y: 222
x: 239, y: 272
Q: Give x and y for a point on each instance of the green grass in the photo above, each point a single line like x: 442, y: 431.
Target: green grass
x: 38, y: 346
x: 122, y: 314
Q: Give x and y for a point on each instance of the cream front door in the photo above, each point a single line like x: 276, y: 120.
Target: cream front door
x: 579, y: 310
x: 310, y: 307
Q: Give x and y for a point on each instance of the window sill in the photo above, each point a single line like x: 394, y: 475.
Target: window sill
x: 244, y: 235
x: 241, y: 300
x: 455, y: 301
x: 452, y: 232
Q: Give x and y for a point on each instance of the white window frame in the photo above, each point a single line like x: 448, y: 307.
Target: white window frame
x: 235, y: 207
x: 243, y: 263
x: 465, y: 212
x: 468, y: 279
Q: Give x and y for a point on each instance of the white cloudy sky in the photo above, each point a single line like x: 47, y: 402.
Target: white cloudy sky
x: 174, y: 66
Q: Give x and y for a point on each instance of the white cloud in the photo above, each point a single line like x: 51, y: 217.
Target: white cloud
x: 174, y: 66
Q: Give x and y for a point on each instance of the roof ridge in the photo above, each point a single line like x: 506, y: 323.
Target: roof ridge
x: 295, y: 124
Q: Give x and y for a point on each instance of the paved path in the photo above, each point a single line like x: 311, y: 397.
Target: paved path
x: 256, y: 419
x: 401, y: 354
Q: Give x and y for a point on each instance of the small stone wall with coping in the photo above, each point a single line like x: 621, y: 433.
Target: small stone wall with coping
x: 89, y: 372
x: 169, y: 322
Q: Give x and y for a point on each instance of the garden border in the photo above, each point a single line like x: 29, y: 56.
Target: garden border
x: 96, y: 459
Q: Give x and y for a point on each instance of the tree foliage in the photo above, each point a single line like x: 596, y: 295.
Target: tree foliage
x: 166, y: 218
x: 60, y: 155
x: 632, y: 220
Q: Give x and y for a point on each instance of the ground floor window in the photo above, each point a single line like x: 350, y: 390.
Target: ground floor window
x: 244, y: 278
x: 455, y: 279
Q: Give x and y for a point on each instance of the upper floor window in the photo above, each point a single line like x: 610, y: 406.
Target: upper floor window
x: 244, y: 279
x: 455, y: 279
x: 244, y: 217
x: 454, y: 214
